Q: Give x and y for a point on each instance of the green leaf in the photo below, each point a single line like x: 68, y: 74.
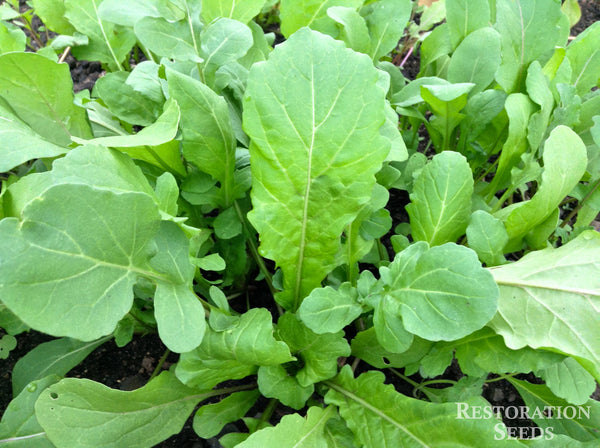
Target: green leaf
x: 327, y: 310
x: 386, y: 20
x: 529, y: 30
x: 52, y: 13
x: 549, y: 299
x: 7, y: 343
x: 210, y: 419
x: 208, y: 139
x: 125, y: 102
x: 19, y: 143
x: 296, y: 14
x: 227, y: 225
x: 464, y: 17
x: 584, y: 55
x: 379, y: 416
x: 56, y: 357
x: 443, y: 292
x: 40, y: 92
x: 276, y: 382
x: 83, y: 413
x: 389, y: 329
x: 487, y: 236
x: 60, y: 280
x: 130, y: 12
x: 179, y: 313
x: 12, y: 38
x: 476, y: 59
x: 19, y: 427
x: 353, y: 28
x: 314, y: 160
x: 167, y: 193
x: 518, y: 108
x: 569, y: 380
x: 241, y: 10
x: 538, y: 88
x: 294, y: 431
x: 109, y: 44
x: 153, y: 144
x: 440, y: 204
x: 565, y: 161
x: 168, y: 39
x: 318, y: 352
x: 538, y: 396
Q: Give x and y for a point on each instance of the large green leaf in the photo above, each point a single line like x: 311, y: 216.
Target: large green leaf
x: 208, y: 138
x: 56, y: 357
x: 443, y: 292
x: 381, y: 417
x: 19, y: 143
x: 68, y: 265
x: 19, y: 427
x: 86, y: 414
x: 313, y: 112
x: 386, y: 20
x: 529, y: 30
x: 210, y: 419
x: 40, y: 92
x: 171, y: 39
x: 296, y: 14
x: 52, y: 13
x: 242, y: 10
x: 12, y: 38
x: 584, y: 55
x: 108, y: 43
x: 294, y: 431
x: 464, y: 17
x: 550, y: 299
x: 130, y: 12
x: 440, y: 204
x: 327, y: 310
x: 353, y: 28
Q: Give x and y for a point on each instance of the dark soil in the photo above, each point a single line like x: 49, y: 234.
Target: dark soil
x: 590, y: 13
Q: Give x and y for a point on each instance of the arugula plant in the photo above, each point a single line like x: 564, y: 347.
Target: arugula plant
x: 151, y: 202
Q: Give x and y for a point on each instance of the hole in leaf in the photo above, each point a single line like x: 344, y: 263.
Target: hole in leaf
x: 386, y: 361
x: 53, y: 395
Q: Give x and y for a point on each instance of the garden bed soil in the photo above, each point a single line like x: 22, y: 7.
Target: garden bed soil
x: 130, y: 367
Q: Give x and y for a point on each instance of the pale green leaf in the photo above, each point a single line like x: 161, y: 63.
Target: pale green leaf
x: 584, y: 55
x: 353, y: 28
x: 295, y: 14
x: 208, y: 139
x: 314, y: 158
x: 487, y: 236
x: 318, y: 352
x: 108, y: 43
x: 167, y: 193
x: 19, y: 427
x: 52, y: 13
x: 381, y: 417
x: 224, y: 41
x: 130, y: 12
x: 569, y: 380
x: 440, y: 204
x: 179, y: 313
x: 476, y: 59
x: 294, y: 431
x: 443, y: 292
x: 86, y: 414
x: 12, y: 38
x: 19, y: 143
x: 549, y: 299
x: 565, y: 161
x: 327, y: 310
x: 241, y: 10
x: 386, y: 20
x: 464, y: 17
x: 583, y: 427
x: 68, y: 264
x: 40, y: 92
x: 168, y: 39
x: 538, y: 88
x: 389, y: 329
x: 56, y: 357
x: 529, y: 30
x: 276, y: 382
x: 210, y: 419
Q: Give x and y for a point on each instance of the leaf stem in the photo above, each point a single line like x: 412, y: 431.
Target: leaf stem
x: 161, y: 361
x: 268, y: 412
x: 404, y: 377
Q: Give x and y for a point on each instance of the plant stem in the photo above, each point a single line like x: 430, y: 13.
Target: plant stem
x: 161, y: 361
x: 268, y: 412
x: 405, y: 378
x: 576, y: 209
x: 64, y: 55
x: 502, y: 376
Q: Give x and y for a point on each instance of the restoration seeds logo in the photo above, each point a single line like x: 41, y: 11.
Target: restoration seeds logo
x: 468, y: 412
